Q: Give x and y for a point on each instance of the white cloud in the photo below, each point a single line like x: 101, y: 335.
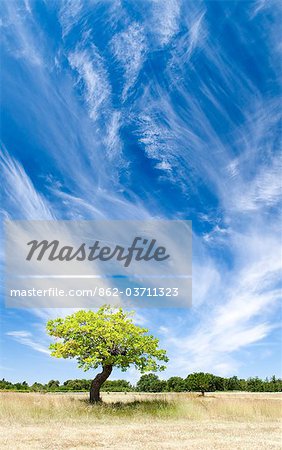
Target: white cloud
x: 163, y: 165
x: 129, y: 48
x: 19, y: 334
x: 93, y: 76
x: 216, y: 234
x: 18, y: 37
x: 165, y: 19
x: 265, y: 190
x: 69, y: 14
x: 239, y: 307
x: 26, y: 338
x: 22, y: 197
x: 195, y: 33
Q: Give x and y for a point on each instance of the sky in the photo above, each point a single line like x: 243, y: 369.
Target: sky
x: 142, y: 110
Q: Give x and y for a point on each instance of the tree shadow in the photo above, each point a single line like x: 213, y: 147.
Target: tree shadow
x: 151, y: 407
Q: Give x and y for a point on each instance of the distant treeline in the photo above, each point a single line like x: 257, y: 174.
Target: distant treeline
x: 202, y: 382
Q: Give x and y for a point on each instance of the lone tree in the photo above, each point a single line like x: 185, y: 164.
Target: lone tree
x: 105, y: 338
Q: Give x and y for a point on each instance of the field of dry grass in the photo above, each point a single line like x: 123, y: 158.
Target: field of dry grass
x: 232, y: 421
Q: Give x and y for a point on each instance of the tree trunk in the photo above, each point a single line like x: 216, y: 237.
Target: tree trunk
x: 97, y: 383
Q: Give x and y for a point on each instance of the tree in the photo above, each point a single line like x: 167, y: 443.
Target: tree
x: 77, y: 385
x: 4, y: 384
x: 53, y: 385
x: 25, y: 385
x: 117, y: 386
x: 232, y: 384
x: 273, y: 385
x: 203, y: 382
x: 255, y: 384
x: 37, y: 387
x: 176, y: 384
x: 106, y: 338
x: 218, y: 383
x: 151, y: 383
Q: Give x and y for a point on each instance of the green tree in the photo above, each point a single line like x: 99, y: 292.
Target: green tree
x: 4, y: 384
x: 255, y: 384
x: 176, y: 384
x: 218, y: 383
x: 232, y: 384
x: 201, y: 382
x: 37, y: 387
x: 273, y: 385
x: 76, y: 385
x: 117, y: 386
x: 106, y: 338
x: 53, y: 385
x: 151, y: 383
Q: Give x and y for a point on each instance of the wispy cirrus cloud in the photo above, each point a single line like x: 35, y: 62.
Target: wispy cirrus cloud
x: 93, y: 77
x: 26, y: 338
x: 69, y: 13
x: 21, y: 198
x: 240, y: 305
x: 129, y: 48
x: 165, y: 19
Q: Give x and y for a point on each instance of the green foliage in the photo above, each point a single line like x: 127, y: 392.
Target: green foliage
x: 117, y: 386
x: 255, y: 385
x: 203, y: 382
x: 151, y: 383
x: 53, y: 384
x: 76, y: 385
x: 7, y: 385
x: 176, y: 384
x: 232, y: 384
x: 218, y: 383
x: 273, y: 385
x: 105, y: 337
x: 38, y: 387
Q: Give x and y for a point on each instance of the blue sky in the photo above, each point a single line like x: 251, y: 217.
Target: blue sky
x: 152, y: 110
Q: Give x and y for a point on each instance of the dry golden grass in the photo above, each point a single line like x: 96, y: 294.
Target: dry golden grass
x: 140, y: 421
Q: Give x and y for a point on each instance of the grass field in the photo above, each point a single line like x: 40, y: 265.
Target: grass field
x: 242, y: 421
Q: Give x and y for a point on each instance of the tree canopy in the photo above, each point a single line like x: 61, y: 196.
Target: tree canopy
x: 203, y: 382
x: 105, y: 337
x: 150, y: 383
